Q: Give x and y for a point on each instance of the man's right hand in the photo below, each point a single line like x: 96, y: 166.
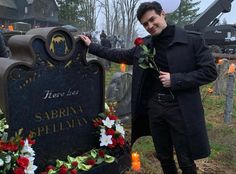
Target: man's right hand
x: 86, y: 39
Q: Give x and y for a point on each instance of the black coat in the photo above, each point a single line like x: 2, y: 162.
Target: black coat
x: 191, y: 65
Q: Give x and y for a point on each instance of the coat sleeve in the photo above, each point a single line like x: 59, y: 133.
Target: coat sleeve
x: 205, y: 68
x: 125, y: 56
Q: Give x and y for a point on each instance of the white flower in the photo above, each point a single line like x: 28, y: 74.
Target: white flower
x: 105, y: 140
x: 108, y: 123
x: 107, y: 109
x: 1, y: 162
x: 31, y: 168
x: 27, y: 149
x: 102, y: 132
x: 8, y: 159
x: 120, y: 129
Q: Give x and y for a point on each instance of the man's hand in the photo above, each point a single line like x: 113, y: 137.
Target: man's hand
x: 165, y: 79
x: 86, y: 39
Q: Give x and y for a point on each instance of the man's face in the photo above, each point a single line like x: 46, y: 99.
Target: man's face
x: 153, y: 22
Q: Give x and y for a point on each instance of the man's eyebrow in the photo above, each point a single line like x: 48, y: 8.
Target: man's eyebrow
x: 145, y: 22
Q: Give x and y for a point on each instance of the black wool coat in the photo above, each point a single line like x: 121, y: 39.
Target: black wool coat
x: 191, y: 65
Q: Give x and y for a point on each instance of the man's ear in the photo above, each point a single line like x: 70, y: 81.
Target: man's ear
x: 163, y: 13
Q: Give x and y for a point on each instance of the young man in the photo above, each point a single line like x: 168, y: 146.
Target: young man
x: 168, y: 104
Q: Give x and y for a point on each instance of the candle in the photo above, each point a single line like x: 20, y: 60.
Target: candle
x: 136, y: 166
x: 122, y: 67
x: 135, y: 157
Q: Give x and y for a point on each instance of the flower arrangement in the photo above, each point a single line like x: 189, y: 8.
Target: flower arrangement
x: 16, y: 154
x: 111, y: 137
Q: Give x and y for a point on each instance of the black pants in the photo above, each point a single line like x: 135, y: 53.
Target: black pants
x: 168, y: 132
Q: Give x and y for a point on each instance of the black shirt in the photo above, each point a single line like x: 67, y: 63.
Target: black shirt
x: 152, y: 83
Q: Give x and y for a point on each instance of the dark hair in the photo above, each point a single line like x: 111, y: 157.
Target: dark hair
x: 146, y: 6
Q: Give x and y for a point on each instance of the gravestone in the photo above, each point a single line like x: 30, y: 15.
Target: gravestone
x: 119, y: 90
x: 48, y: 88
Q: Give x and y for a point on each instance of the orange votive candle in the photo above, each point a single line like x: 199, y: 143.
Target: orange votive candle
x: 136, y: 166
x: 122, y: 67
x: 135, y: 157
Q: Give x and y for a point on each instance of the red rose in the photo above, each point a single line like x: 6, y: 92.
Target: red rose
x: 63, y: 170
x: 49, y: 167
x: 138, y: 41
x: 19, y: 170
x: 30, y: 141
x: 110, y: 132
x: 121, y: 141
x: 97, y: 122
x: 74, y: 163
x: 23, y: 162
x: 91, y: 162
x: 101, y: 153
x: 22, y: 143
x: 73, y: 171
x: 113, y: 117
x: 114, y: 143
x: 10, y: 147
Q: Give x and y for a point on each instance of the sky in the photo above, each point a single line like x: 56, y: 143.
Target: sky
x: 230, y: 17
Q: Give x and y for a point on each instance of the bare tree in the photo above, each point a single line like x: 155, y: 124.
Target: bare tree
x: 130, y: 15
x: 120, y: 18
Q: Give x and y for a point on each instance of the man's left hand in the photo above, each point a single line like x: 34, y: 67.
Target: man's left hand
x: 165, y: 79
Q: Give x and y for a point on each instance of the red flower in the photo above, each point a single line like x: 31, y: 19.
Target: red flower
x: 19, y: 170
x: 43, y: 172
x: 23, y: 162
x: 10, y: 147
x: 22, y: 143
x: 63, y: 170
x: 91, y: 162
x: 97, y: 122
x: 114, y: 143
x: 138, y: 41
x: 49, y: 167
x: 112, y: 117
x: 101, y: 153
x: 74, y: 163
x: 121, y: 141
x: 30, y: 141
x: 110, y: 132
x: 73, y: 171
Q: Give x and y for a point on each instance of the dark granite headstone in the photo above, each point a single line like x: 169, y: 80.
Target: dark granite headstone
x: 48, y: 88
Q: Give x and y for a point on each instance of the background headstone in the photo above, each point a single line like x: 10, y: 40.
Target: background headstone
x: 119, y: 90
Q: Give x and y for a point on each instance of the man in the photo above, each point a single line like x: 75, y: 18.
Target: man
x: 3, y: 48
x: 170, y: 105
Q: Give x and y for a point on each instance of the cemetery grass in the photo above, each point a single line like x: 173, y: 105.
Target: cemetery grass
x: 222, y: 138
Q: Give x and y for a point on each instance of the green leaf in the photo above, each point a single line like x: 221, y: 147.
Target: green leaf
x: 84, y: 167
x: 59, y: 163
x: 99, y: 160
x: 70, y: 159
x: 145, y: 49
x: 150, y: 65
x: 109, y: 159
x: 80, y: 159
x: 144, y: 66
x: 51, y: 171
x: 140, y: 60
x: 94, y: 153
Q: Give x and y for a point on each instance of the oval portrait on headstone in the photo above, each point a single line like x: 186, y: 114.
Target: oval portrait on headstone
x: 60, y: 45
